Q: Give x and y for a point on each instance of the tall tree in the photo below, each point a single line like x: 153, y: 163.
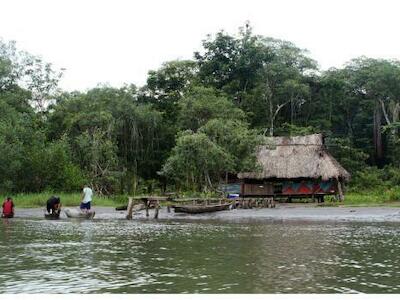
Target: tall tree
x: 203, y: 104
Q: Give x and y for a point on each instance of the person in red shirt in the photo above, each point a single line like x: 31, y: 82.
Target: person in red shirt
x: 8, y: 208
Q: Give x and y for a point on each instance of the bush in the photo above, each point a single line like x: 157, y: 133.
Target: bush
x: 393, y: 194
x: 74, y: 178
x: 392, y: 175
x: 371, y: 178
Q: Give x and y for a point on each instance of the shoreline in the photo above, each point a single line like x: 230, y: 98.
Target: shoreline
x: 282, y: 213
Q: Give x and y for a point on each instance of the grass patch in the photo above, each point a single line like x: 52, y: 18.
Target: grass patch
x: 67, y: 199
x: 387, y: 197
x: 381, y: 197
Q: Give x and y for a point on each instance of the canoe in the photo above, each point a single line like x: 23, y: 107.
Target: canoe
x: 198, y: 209
x: 7, y: 216
x: 78, y: 214
x: 52, y: 216
x: 135, y: 207
x: 122, y: 207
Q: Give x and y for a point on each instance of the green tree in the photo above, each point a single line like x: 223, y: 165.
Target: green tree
x: 236, y: 139
x: 167, y: 85
x: 196, y: 162
x: 133, y: 132
x: 202, y: 104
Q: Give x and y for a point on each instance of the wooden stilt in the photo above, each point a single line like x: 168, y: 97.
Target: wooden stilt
x: 253, y: 203
x: 129, y: 209
x: 157, y: 209
x: 341, y: 196
x: 147, y: 207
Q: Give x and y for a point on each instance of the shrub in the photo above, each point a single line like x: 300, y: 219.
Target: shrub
x: 371, y: 178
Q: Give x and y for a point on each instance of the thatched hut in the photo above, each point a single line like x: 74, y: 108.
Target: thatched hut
x: 294, y: 167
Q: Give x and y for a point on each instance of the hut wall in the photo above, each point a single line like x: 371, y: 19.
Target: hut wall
x: 289, y: 188
x: 231, y: 188
x: 309, y: 187
x: 257, y: 189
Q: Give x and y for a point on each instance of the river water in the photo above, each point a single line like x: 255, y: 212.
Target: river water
x: 198, y: 256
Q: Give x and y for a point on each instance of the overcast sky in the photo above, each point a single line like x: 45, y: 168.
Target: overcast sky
x: 119, y: 41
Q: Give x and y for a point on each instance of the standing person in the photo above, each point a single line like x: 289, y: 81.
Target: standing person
x: 87, y: 195
x: 53, y: 205
x: 8, y: 208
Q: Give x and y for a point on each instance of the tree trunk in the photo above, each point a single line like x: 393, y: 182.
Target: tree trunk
x: 378, y: 134
x: 271, y: 128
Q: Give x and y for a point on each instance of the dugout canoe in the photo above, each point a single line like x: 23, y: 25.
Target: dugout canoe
x: 52, y: 216
x: 78, y: 214
x: 136, y: 207
x: 7, y: 216
x: 198, y: 209
x: 122, y: 207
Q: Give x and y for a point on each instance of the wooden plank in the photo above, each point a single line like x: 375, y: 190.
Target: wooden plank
x: 154, y: 198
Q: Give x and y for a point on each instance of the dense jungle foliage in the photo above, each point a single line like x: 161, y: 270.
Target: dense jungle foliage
x: 195, y: 121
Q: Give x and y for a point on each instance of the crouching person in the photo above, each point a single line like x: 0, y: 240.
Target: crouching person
x: 53, y: 205
x: 8, y: 208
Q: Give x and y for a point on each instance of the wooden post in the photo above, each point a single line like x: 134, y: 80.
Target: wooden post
x: 157, y: 209
x: 130, y: 208
x: 246, y: 204
x: 147, y: 207
x: 169, y: 208
x: 339, y: 184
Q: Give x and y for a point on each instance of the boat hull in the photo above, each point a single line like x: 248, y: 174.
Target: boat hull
x: 7, y: 216
x: 51, y: 216
x: 79, y: 215
x: 193, y: 209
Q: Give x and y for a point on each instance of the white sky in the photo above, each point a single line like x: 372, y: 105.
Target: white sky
x: 117, y: 41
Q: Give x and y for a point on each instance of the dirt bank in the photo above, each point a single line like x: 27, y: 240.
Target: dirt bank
x: 280, y: 213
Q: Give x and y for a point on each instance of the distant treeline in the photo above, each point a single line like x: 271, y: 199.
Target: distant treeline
x: 195, y: 122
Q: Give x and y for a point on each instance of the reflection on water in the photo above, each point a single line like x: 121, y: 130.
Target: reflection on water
x: 39, y: 256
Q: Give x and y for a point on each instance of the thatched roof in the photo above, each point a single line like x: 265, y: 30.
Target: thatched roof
x: 296, y: 157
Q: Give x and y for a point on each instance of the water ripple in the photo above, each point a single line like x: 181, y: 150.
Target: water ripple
x: 116, y: 256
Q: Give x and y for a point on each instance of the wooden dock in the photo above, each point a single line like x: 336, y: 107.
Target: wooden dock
x: 154, y: 202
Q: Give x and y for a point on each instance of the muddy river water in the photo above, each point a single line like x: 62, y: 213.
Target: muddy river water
x: 199, y: 255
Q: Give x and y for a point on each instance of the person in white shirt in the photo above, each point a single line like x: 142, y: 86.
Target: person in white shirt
x: 87, y: 195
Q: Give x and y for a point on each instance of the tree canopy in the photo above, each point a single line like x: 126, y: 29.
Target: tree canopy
x: 195, y: 121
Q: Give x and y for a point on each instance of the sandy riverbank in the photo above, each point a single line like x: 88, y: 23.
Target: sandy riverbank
x: 294, y: 212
